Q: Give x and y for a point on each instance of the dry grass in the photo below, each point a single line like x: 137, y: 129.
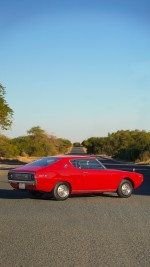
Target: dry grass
x: 146, y: 162
x: 18, y: 159
x: 27, y: 159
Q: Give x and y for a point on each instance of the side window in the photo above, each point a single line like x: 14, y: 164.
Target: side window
x: 75, y: 163
x: 80, y: 164
x: 84, y: 164
x: 87, y: 164
x: 95, y: 165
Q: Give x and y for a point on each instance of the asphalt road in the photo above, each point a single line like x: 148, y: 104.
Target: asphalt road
x: 91, y: 230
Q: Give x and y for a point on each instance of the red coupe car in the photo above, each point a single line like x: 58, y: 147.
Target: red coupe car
x: 65, y: 175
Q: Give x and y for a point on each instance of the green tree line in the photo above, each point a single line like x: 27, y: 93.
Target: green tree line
x: 126, y: 145
x: 36, y: 143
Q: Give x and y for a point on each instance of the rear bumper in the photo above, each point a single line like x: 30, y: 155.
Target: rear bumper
x: 23, y: 182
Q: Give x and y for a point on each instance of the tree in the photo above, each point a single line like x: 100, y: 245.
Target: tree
x: 40, y: 144
x: 36, y: 131
x: 37, y: 144
x: 6, y: 113
x: 7, y: 149
x: 126, y: 145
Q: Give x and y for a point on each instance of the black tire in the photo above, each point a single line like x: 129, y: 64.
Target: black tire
x: 61, y: 191
x: 35, y: 194
x: 125, y: 189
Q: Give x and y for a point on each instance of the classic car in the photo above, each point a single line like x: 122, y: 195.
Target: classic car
x: 66, y: 175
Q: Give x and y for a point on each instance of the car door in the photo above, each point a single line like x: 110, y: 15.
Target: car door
x: 94, y: 176
x: 76, y: 176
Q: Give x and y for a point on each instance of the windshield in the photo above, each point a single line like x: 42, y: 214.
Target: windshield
x: 44, y: 162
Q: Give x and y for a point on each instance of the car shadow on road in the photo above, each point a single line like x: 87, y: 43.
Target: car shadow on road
x: 142, y: 190
x: 13, y: 194
x: 18, y: 194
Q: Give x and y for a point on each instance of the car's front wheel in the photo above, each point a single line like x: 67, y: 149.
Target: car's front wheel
x: 61, y: 191
x: 125, y: 188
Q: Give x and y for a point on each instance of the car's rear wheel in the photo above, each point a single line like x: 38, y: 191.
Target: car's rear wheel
x: 125, y: 188
x: 61, y: 191
x: 35, y: 194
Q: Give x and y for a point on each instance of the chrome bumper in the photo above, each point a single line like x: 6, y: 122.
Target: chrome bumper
x: 23, y: 182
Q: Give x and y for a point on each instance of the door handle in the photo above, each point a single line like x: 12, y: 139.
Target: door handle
x: 85, y: 172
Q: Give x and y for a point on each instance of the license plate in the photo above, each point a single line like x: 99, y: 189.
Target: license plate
x: 22, y: 186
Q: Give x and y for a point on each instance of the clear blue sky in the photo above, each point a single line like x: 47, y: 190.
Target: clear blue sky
x: 76, y: 68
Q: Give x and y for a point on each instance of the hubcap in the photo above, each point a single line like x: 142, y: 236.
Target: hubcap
x: 126, y: 189
x: 63, y: 191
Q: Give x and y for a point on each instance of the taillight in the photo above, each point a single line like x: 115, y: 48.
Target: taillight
x: 10, y: 175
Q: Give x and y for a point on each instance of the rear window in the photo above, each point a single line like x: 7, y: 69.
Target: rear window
x: 44, y: 162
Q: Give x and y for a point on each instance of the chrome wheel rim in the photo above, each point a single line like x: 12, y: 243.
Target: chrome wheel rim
x: 126, y: 189
x: 63, y: 191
